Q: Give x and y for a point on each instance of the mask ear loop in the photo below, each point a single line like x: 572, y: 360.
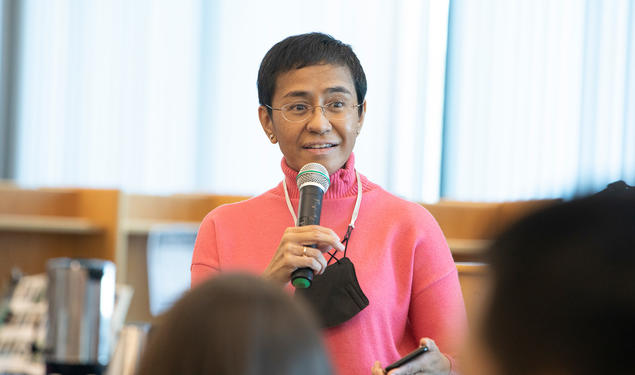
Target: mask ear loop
x: 351, y: 226
x: 347, y: 237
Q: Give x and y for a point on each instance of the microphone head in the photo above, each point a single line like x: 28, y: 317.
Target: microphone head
x: 313, y: 174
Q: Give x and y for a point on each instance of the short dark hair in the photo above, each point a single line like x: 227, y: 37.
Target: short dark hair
x: 563, y: 294
x: 304, y: 50
x: 236, y: 324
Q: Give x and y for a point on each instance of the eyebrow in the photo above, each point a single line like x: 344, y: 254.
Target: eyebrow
x: 296, y: 94
x: 305, y: 94
x: 341, y: 89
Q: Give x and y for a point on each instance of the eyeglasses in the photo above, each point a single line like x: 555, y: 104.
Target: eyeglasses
x: 298, y: 112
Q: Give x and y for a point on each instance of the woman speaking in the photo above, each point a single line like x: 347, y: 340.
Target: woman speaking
x: 385, y: 282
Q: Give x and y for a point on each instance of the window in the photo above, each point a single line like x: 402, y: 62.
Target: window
x: 488, y: 100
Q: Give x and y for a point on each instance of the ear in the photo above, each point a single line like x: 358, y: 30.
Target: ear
x: 267, y: 123
x: 360, y: 123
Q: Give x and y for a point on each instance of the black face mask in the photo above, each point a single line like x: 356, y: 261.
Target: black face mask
x: 335, y: 295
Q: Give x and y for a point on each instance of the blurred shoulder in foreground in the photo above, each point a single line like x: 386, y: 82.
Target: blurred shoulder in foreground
x: 563, y: 289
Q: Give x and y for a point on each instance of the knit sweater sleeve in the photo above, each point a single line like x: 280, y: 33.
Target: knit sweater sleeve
x: 205, y: 260
x: 436, y: 309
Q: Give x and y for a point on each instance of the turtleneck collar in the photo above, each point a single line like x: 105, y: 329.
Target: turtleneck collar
x: 343, y: 182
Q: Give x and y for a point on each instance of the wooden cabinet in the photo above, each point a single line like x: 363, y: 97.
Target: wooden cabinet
x: 474, y: 281
x: 39, y: 224
x: 469, y: 227
x: 36, y: 225
x: 140, y: 214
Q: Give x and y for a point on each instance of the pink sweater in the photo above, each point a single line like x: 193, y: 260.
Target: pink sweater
x: 401, y: 258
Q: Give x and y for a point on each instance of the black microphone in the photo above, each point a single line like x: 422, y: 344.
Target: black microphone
x: 313, y: 181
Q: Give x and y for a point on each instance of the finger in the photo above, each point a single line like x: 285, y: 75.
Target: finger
x: 323, y: 237
x: 434, y: 359
x: 327, y: 240
x: 316, y: 254
x: 309, y: 228
x: 418, y: 363
x: 412, y: 367
x: 294, y: 258
x: 328, y: 247
x: 426, y: 341
x: 377, y: 369
x: 312, y: 263
x: 322, y: 261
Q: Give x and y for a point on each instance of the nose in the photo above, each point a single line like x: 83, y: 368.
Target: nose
x: 318, y: 123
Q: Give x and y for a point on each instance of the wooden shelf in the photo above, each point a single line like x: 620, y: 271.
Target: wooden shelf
x: 473, y: 277
x: 143, y: 226
x: 47, y: 224
x: 39, y: 224
x: 468, y: 246
x: 472, y: 267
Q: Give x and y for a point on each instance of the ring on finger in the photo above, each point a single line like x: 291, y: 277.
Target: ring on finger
x: 303, y: 251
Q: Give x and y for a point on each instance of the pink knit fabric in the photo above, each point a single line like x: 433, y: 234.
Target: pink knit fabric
x: 401, y: 258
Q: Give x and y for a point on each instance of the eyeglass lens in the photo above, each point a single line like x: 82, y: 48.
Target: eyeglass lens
x: 332, y: 111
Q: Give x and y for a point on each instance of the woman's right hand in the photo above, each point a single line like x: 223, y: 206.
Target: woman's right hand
x: 291, y: 251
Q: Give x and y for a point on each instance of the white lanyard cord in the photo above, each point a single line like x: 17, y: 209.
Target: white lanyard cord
x: 358, y: 201
x: 286, y: 197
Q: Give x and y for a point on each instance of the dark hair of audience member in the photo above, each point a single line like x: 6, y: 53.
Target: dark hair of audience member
x: 236, y: 324
x: 563, y: 297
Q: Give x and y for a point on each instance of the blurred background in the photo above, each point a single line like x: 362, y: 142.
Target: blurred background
x: 485, y: 100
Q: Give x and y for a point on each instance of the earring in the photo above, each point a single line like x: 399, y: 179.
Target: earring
x: 272, y: 137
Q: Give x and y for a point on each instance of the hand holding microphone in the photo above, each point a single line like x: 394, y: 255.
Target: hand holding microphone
x: 299, y: 253
x: 313, y: 181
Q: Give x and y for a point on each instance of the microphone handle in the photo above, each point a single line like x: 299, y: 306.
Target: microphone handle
x: 309, y: 210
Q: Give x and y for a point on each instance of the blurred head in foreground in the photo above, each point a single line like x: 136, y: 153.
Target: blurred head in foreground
x: 236, y: 324
x: 563, y: 291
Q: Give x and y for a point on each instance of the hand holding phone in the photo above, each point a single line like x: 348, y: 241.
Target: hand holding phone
x: 409, y: 357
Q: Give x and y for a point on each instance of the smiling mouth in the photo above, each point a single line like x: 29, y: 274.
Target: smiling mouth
x: 320, y: 146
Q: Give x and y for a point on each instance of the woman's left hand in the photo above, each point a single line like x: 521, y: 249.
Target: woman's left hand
x: 432, y: 362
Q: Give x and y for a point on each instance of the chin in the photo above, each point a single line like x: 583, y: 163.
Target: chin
x: 327, y: 162
x: 333, y: 166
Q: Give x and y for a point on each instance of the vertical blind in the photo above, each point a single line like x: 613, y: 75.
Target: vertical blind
x: 539, y: 99
x: 404, y: 47
x: 3, y: 122
x: 108, y: 94
x: 487, y: 100
x: 160, y: 96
